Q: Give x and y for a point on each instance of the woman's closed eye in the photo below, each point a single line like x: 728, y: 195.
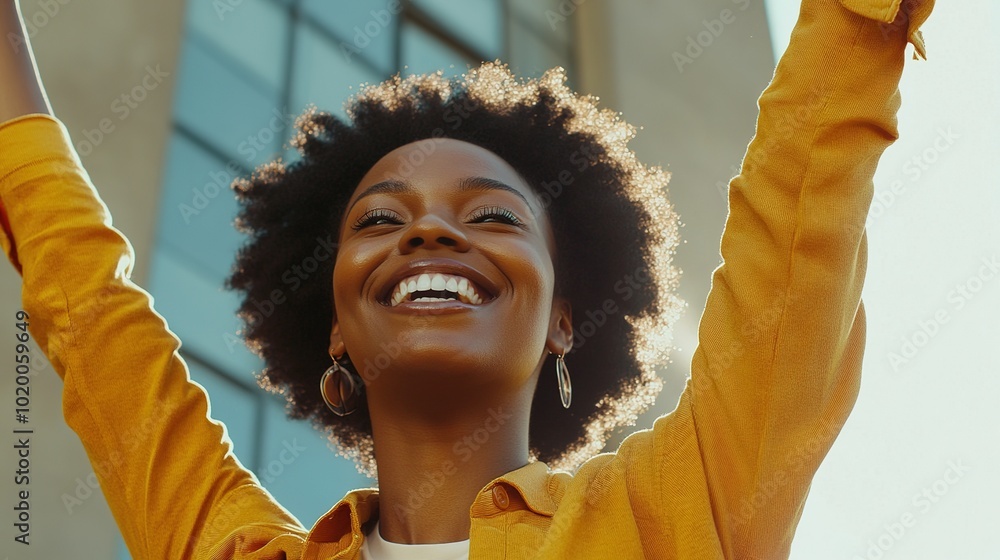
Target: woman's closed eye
x: 377, y: 216
x: 488, y: 214
x: 483, y: 214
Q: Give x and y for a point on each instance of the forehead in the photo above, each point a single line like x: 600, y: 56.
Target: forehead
x: 440, y: 163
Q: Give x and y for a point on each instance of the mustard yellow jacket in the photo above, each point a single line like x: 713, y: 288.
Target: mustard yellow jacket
x: 725, y: 475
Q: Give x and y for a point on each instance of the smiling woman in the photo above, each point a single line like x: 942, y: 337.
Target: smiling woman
x: 471, y: 246
x: 406, y: 200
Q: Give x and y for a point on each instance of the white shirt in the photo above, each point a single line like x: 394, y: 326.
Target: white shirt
x: 375, y: 547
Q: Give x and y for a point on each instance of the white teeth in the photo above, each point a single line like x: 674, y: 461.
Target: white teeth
x: 463, y: 289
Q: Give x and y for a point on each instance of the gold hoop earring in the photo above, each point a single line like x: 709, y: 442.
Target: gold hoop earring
x: 344, y: 383
x: 565, y: 387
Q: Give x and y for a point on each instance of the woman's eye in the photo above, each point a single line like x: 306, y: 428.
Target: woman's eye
x: 376, y: 217
x: 488, y: 214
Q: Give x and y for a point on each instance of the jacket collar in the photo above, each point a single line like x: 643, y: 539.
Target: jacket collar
x: 339, y: 532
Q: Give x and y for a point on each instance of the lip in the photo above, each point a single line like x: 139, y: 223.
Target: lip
x: 482, y: 283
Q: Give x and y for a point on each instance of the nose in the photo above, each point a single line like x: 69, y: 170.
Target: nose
x: 431, y: 231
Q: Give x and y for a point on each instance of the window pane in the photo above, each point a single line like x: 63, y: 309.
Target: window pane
x: 234, y: 406
x: 552, y: 18
x: 364, y: 29
x: 424, y: 53
x: 198, y: 208
x: 224, y: 109
x: 478, y: 23
x: 299, y: 468
x: 201, y: 314
x: 254, y: 33
x: 323, y: 75
x: 529, y: 55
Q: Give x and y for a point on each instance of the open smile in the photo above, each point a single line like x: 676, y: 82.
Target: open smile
x: 437, y: 284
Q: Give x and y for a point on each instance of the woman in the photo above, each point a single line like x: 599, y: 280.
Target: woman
x: 463, y: 274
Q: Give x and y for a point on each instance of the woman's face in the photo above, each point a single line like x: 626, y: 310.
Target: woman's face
x: 444, y: 275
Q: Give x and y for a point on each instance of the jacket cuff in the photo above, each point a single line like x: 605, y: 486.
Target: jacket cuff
x: 886, y: 12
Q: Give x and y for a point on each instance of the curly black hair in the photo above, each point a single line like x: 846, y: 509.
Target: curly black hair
x: 615, y: 235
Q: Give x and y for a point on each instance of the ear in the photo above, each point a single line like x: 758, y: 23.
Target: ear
x: 560, y: 339
x: 337, y: 347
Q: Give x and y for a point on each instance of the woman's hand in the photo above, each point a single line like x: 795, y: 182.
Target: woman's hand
x: 22, y: 91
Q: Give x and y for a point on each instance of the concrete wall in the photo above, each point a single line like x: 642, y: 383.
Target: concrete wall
x: 89, y: 54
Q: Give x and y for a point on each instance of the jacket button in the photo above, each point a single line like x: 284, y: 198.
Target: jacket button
x: 500, y: 497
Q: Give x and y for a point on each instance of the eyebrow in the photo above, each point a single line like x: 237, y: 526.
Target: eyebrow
x: 474, y: 183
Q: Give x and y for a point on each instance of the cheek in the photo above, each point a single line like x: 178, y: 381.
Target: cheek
x: 354, y: 265
x: 528, y: 266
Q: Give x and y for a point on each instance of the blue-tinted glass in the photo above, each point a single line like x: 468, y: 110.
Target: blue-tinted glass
x: 323, y: 74
x: 233, y: 406
x: 122, y: 549
x: 299, y: 468
x: 254, y: 33
x: 529, y: 55
x: 424, y: 53
x: 219, y: 104
x: 197, y: 209
x: 552, y: 18
x: 201, y: 314
x: 478, y: 23
x: 364, y: 30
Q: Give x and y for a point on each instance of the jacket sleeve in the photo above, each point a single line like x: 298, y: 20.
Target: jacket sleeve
x: 166, y: 469
x: 777, y: 369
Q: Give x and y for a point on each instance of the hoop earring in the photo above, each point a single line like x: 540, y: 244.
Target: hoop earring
x: 562, y: 375
x: 345, y: 384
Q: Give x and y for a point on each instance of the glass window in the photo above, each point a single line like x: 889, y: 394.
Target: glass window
x: 219, y: 105
x: 234, y: 406
x: 198, y: 207
x: 254, y: 33
x: 553, y: 19
x: 323, y: 74
x: 424, y: 53
x: 477, y: 23
x: 363, y: 29
x: 201, y: 314
x: 300, y: 469
x: 530, y: 55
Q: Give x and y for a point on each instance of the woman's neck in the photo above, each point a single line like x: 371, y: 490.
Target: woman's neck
x: 431, y: 467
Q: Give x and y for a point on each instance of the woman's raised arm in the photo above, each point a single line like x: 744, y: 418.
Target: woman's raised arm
x: 167, y: 471
x: 22, y: 92
x: 778, y: 364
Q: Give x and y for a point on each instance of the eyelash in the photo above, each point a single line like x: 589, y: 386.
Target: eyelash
x: 496, y: 212
x: 372, y: 217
